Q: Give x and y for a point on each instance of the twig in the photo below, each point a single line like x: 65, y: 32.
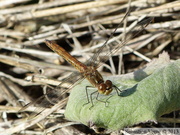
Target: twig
x: 63, y: 10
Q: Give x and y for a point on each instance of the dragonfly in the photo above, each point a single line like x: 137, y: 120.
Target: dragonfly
x: 89, y: 69
x: 89, y: 72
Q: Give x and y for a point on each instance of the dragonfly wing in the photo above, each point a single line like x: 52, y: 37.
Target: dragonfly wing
x: 95, y: 58
x: 53, y: 95
x: 113, y: 44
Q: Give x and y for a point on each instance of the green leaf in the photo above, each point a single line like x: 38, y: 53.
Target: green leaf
x: 147, y: 94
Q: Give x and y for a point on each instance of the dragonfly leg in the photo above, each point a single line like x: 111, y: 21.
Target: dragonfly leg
x: 100, y: 100
x: 88, y: 96
x: 108, y: 99
x: 91, y: 99
x: 117, y: 90
x: 97, y: 98
x: 105, y: 102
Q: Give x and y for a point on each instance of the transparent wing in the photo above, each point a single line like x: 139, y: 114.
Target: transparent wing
x: 112, y: 45
x: 54, y: 95
x: 94, y: 60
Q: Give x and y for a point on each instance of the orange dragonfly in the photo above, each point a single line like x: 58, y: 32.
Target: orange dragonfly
x: 89, y: 70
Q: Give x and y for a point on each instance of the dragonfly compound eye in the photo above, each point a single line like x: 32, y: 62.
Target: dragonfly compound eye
x: 102, y: 88
x: 108, y: 84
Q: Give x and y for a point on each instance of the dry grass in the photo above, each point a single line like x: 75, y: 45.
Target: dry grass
x: 81, y: 27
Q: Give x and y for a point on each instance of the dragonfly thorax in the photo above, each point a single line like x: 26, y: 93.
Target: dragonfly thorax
x: 95, y: 78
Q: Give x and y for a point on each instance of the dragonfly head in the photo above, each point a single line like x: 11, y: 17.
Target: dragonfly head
x: 105, y: 87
